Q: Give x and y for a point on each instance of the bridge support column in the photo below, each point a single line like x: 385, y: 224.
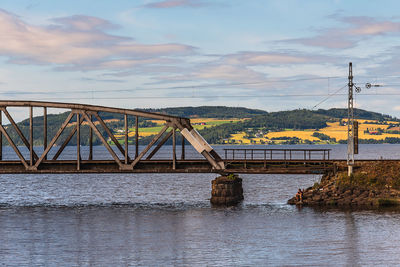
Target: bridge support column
x: 226, y: 190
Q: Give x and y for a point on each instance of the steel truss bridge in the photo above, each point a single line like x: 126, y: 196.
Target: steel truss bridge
x: 235, y: 161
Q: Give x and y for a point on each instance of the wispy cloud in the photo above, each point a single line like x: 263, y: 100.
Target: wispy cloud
x: 85, y: 79
x: 79, y: 43
x: 356, y: 29
x: 253, y: 58
x: 247, y: 67
x: 177, y: 3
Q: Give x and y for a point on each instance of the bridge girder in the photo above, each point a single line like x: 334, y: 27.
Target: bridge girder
x: 85, y: 114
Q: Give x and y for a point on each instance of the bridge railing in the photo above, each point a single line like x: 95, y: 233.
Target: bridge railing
x: 276, y: 154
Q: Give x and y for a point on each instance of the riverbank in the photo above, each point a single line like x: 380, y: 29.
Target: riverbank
x: 372, y: 185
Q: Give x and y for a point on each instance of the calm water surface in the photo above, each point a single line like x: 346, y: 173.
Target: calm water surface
x: 166, y: 220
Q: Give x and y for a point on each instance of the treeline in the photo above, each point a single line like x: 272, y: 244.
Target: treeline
x: 358, y: 113
x: 387, y: 140
x: 221, y: 112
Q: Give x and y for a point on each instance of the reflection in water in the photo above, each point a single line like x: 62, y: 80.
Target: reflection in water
x: 131, y: 235
x: 351, y: 238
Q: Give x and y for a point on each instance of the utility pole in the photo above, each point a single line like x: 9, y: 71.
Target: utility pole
x: 350, y: 123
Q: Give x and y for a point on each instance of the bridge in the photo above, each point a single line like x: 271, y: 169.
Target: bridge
x: 144, y: 160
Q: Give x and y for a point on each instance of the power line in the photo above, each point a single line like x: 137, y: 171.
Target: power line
x: 329, y: 96
x: 197, y: 97
x: 172, y: 87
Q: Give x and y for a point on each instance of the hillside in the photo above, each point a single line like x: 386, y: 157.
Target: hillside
x: 358, y: 113
x: 219, y: 125
x: 210, y: 112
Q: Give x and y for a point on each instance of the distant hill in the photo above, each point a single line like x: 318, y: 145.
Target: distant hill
x: 358, y: 113
x: 295, y: 119
x: 255, y: 119
x: 210, y: 112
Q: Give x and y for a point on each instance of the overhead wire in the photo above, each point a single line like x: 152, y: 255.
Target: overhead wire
x: 329, y: 96
x: 172, y: 87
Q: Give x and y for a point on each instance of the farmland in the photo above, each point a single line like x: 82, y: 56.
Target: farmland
x: 197, y: 123
x: 336, y: 131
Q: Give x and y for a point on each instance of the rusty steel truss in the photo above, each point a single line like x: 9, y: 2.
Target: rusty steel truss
x: 142, y: 161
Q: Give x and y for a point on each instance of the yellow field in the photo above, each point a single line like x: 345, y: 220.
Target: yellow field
x: 132, y: 134
x: 334, y: 130
x: 239, y: 138
x: 364, y: 121
x: 304, y: 135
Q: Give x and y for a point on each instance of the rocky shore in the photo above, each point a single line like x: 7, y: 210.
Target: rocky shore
x: 371, y: 185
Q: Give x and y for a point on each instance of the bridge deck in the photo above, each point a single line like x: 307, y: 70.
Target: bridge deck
x: 166, y: 166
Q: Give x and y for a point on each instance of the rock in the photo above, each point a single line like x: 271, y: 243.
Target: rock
x: 364, y: 194
x: 316, y: 198
x: 347, y: 193
x: 363, y: 191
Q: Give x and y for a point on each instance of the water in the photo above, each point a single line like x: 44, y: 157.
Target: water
x: 166, y: 220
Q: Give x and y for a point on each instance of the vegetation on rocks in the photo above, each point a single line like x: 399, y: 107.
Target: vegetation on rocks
x: 373, y: 184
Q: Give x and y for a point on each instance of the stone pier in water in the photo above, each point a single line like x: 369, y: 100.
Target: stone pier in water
x: 226, y: 190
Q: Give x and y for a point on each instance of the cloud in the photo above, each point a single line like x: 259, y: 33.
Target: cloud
x: 85, y: 23
x: 357, y: 29
x: 273, y: 58
x: 176, y: 3
x: 250, y: 67
x: 78, y: 43
x: 228, y: 73
x: 85, y: 79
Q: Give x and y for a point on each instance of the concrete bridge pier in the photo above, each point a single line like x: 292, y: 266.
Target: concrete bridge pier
x: 226, y: 190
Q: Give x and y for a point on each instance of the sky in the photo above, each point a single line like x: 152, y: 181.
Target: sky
x: 266, y: 54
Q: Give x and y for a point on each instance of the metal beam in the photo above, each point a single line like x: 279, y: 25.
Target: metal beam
x: 45, y: 130
x: 92, y: 108
x: 31, y: 136
x: 1, y: 137
x: 110, y: 134
x: 90, y: 141
x: 84, y: 112
x: 173, y: 148
x: 183, y: 147
x: 159, y: 145
x: 138, y: 158
x: 126, y: 138
x: 78, y: 142
x: 18, y: 130
x: 137, y: 137
x: 66, y: 141
x: 53, y: 141
x: 10, y: 141
x: 97, y: 132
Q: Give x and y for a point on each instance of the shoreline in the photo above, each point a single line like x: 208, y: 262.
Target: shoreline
x: 371, y: 186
